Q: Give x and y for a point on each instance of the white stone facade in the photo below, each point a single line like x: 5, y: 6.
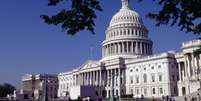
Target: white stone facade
x: 34, y: 86
x: 128, y: 65
x: 189, y: 63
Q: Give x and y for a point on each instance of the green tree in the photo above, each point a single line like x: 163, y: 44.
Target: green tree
x: 185, y: 14
x: 6, y: 89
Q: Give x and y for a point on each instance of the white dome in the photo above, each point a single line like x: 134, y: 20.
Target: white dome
x: 126, y: 36
x: 125, y: 15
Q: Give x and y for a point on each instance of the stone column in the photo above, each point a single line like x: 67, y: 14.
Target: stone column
x: 119, y: 81
x: 180, y: 76
x: 197, y: 65
x: 108, y: 49
x: 114, y: 51
x: 111, y: 49
x: 131, y: 48
x: 100, y: 78
x: 142, y: 50
x: 127, y: 43
x: 115, y: 77
x: 108, y: 77
x: 123, y: 47
x: 188, y: 65
x: 136, y: 47
x: 97, y: 78
x: 79, y: 79
x: 119, y: 48
x: 185, y: 67
x: 145, y: 52
x: 88, y: 78
x: 94, y: 78
x: 193, y: 65
x: 84, y: 78
x: 141, y: 47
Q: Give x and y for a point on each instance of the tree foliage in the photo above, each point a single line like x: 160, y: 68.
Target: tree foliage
x: 6, y: 89
x: 80, y: 16
x: 185, y: 14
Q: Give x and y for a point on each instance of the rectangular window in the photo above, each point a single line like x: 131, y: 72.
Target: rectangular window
x: 153, y: 91
x: 131, y: 91
x: 160, y: 77
x: 145, y: 91
x: 161, y: 90
x: 153, y: 78
x: 131, y: 80
x: 137, y: 79
x: 137, y: 91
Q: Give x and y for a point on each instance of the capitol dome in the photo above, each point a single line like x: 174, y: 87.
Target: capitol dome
x: 126, y: 36
x: 125, y: 16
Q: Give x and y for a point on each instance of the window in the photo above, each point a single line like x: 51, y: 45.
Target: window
x: 152, y: 67
x: 160, y: 77
x: 137, y: 79
x: 131, y: 91
x: 131, y: 70
x: 161, y: 90
x: 159, y: 66
x: 144, y: 68
x: 136, y: 70
x: 145, y: 78
x: 131, y: 80
x: 153, y: 77
x: 137, y: 91
x: 145, y: 91
x: 153, y: 91
x: 116, y: 92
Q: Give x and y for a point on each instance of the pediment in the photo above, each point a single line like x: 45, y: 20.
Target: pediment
x: 89, y: 64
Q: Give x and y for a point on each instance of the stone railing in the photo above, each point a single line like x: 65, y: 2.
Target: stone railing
x: 190, y: 43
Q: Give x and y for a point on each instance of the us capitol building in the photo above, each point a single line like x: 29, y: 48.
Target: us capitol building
x: 128, y: 65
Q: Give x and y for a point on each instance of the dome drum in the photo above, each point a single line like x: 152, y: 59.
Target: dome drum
x: 127, y: 47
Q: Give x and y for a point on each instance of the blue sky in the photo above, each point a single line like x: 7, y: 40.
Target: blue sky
x: 28, y: 45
